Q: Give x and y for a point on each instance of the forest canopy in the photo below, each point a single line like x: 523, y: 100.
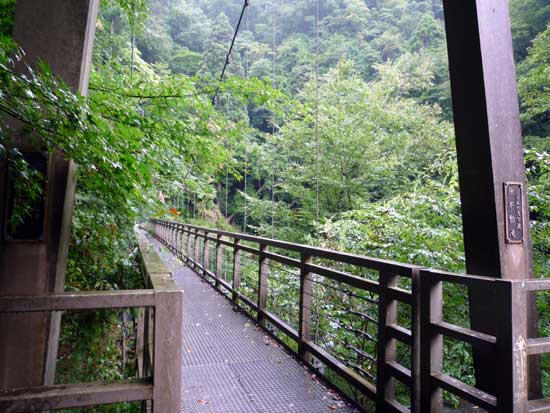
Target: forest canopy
x: 332, y: 127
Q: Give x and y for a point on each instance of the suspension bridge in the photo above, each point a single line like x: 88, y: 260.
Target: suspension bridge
x: 342, y: 332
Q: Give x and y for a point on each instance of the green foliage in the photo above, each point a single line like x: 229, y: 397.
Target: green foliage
x: 7, y: 11
x: 382, y: 152
x: 529, y: 18
x: 534, y: 86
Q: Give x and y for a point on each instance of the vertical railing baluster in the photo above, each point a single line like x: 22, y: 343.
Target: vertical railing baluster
x: 431, y: 343
x: 171, y: 241
x: 174, y: 234
x: 180, y: 245
x: 185, y: 244
x: 306, y: 300
x: 236, y: 269
x: 189, y: 241
x: 262, y: 284
x: 205, y: 254
x: 196, y: 249
x: 219, y: 260
x: 386, y: 348
x: 415, y: 350
x: 168, y: 357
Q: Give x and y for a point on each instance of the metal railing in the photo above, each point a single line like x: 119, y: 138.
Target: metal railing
x: 376, y: 324
x: 159, y: 337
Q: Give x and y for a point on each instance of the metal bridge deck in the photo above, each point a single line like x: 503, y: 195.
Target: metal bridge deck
x: 232, y: 366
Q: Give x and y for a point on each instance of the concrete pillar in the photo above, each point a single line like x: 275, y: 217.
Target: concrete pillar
x: 61, y: 33
x: 493, y: 189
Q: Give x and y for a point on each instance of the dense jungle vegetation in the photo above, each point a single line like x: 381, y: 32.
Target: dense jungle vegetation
x: 344, y: 141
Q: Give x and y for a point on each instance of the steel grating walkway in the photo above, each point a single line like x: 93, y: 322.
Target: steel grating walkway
x: 232, y: 366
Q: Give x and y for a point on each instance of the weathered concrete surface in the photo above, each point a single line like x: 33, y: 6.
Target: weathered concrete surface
x: 61, y: 33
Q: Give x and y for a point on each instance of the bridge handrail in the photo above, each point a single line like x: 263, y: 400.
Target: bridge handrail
x: 425, y: 378
x: 159, y: 338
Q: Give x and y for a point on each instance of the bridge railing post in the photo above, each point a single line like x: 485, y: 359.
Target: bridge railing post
x: 189, y: 241
x: 180, y: 245
x: 512, y: 339
x: 236, y: 269
x: 415, y: 345
x: 262, y: 283
x: 219, y: 260
x: 306, y: 293
x: 171, y: 236
x: 431, y: 343
x: 168, y: 360
x: 386, y: 351
x: 184, y: 241
x: 174, y: 236
x: 205, y: 254
x: 196, y: 248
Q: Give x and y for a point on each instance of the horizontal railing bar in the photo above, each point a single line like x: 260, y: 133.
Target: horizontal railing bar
x: 539, y: 284
x: 463, y: 334
x: 471, y: 394
x: 393, y: 406
x: 462, y: 279
x: 348, y: 258
x: 340, y: 368
x: 248, y: 249
x: 209, y: 273
x: 68, y: 396
x: 247, y: 300
x: 227, y: 243
x: 292, y: 262
x: 400, y: 372
x: 399, y: 333
x: 353, y: 280
x: 539, y: 406
x: 396, y: 293
x: 84, y: 300
x: 538, y: 345
x: 225, y: 284
x: 213, y: 239
x: 281, y: 325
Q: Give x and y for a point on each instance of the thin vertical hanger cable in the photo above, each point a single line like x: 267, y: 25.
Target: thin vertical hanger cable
x: 133, y: 40
x: 246, y: 68
x: 274, y: 51
x: 226, y: 180
x: 317, y: 113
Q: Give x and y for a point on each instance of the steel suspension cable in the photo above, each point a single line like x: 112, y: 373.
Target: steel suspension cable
x: 228, y: 56
x: 274, y: 51
x: 246, y: 68
x: 317, y: 113
x: 226, y: 180
x: 133, y: 40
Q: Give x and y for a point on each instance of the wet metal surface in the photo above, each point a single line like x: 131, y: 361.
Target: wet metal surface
x: 232, y: 366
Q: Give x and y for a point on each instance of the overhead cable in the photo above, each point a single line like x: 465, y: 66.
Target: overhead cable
x: 228, y: 56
